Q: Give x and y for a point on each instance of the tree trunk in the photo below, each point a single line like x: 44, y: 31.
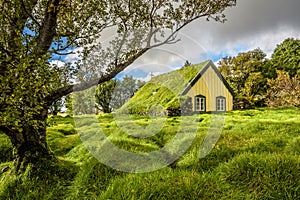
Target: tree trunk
x: 106, y: 108
x: 30, y: 143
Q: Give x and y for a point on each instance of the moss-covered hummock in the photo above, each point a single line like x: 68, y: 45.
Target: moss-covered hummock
x: 256, y: 157
x: 163, y: 90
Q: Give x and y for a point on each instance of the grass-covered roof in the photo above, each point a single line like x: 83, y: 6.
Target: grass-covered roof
x: 163, y: 89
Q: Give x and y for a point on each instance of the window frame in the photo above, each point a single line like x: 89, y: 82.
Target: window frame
x: 201, y: 105
x: 221, y: 104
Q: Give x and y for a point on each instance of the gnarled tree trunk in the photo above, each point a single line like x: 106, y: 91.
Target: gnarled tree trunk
x: 29, y: 142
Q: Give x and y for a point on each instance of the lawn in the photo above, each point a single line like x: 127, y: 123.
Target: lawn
x: 256, y: 157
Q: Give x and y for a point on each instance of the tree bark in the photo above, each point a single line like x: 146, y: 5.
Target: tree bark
x: 106, y: 108
x: 30, y: 143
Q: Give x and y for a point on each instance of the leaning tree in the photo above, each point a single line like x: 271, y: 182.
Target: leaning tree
x: 34, y: 32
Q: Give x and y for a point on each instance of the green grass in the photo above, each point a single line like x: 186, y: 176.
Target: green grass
x: 5, y: 149
x: 61, y: 135
x: 256, y: 157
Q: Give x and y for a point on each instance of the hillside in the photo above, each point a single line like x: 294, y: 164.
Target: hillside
x: 162, y: 90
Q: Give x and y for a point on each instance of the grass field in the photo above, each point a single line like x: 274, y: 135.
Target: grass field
x: 256, y: 157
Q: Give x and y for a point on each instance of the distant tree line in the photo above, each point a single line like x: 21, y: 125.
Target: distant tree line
x: 104, y: 98
x: 113, y: 94
x: 258, y: 81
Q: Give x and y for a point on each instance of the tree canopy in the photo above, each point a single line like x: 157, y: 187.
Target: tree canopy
x: 286, y: 57
x: 244, y: 73
x: 259, y: 81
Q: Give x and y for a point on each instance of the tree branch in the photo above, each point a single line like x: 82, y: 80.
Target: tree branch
x: 64, y: 54
x: 6, y: 130
x: 170, y: 38
x: 48, y: 28
x: 17, y: 25
x: 54, y: 96
x: 28, y: 13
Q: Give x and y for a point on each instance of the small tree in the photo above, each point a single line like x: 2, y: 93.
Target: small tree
x: 83, y: 102
x: 283, y: 91
x: 113, y: 94
x: 187, y: 64
x: 104, y: 94
x: 56, y: 107
x: 124, y: 90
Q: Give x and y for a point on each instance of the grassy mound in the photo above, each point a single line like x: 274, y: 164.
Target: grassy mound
x: 256, y: 157
x: 272, y: 176
x: 162, y: 90
x: 248, y: 176
x: 47, y: 180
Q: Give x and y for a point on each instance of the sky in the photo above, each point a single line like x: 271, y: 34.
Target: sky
x: 250, y: 24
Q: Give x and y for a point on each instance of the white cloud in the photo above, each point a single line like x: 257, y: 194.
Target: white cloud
x: 251, y: 24
x: 58, y: 63
x: 72, y: 57
x: 149, y: 76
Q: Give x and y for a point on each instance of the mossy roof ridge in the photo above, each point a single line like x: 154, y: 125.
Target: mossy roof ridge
x: 187, y: 72
x: 178, y: 79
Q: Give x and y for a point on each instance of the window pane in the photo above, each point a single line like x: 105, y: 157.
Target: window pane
x: 200, y: 103
x: 221, y: 104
